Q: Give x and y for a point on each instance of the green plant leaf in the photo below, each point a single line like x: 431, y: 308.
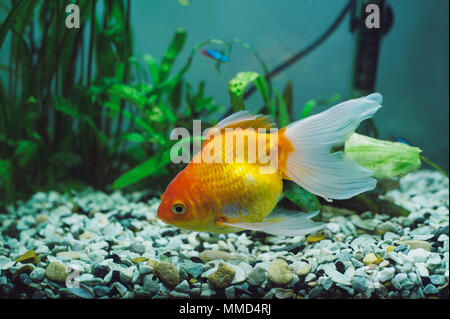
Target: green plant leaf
x: 25, y: 152
x: 288, y: 98
x: 135, y: 154
x: 6, y: 186
x: 129, y: 93
x: 11, y: 19
x: 172, y: 52
x: 65, y: 158
x: 134, y: 137
x: 248, y: 46
x: 169, y: 114
x: 140, y: 122
x: 237, y: 85
x: 386, y: 159
x: 307, y: 108
x: 5, y: 140
x: 262, y: 87
x: 434, y: 165
x: 152, y: 67
x: 175, y: 96
x: 150, y: 167
x: 67, y: 107
x: 174, y: 79
x: 24, y: 55
x: 283, y: 112
x: 306, y: 201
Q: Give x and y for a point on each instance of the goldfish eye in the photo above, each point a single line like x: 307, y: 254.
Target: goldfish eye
x: 179, y: 208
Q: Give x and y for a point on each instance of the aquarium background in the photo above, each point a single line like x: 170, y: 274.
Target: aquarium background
x: 412, y: 76
x: 85, y: 120
x: 413, y: 63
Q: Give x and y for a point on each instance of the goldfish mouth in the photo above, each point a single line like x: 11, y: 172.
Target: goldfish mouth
x: 164, y: 220
x: 160, y: 215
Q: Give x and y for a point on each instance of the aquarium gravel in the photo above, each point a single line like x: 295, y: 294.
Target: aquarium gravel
x: 93, y: 245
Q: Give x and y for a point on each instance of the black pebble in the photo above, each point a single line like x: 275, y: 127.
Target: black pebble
x: 299, y: 285
x: 100, y: 271
x: 200, y: 247
x: 418, y: 221
x: 253, y: 290
x: 123, y: 215
x: 115, y: 276
x: 196, y: 260
x: 168, y: 233
x: 340, y: 266
x: 113, y: 292
x: 320, y: 273
x: 110, y: 244
x: 253, y: 262
x: 114, y: 257
x: 426, y: 281
x: 12, y: 231
x: 295, y: 249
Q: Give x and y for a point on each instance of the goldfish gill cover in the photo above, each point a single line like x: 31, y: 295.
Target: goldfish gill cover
x: 103, y: 104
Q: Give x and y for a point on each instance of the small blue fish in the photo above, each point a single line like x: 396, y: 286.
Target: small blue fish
x: 215, y: 55
x: 400, y: 140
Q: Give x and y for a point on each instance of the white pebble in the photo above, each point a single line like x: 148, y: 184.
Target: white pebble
x: 422, y: 269
x: 385, y: 274
x: 419, y: 255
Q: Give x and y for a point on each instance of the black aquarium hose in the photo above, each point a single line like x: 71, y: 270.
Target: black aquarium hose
x: 309, y: 48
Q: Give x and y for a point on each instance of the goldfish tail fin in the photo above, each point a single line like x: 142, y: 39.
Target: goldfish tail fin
x: 305, y: 150
x: 284, y: 223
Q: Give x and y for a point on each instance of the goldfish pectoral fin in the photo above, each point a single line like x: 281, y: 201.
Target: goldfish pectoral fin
x: 284, y: 223
x: 312, y: 165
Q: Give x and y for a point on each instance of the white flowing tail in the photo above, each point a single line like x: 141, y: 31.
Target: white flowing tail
x: 312, y: 165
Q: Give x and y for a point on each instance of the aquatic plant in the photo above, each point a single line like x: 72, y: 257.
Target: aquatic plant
x: 50, y: 129
x: 72, y: 112
x: 386, y: 159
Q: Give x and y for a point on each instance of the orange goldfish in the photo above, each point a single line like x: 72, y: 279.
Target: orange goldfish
x: 229, y: 196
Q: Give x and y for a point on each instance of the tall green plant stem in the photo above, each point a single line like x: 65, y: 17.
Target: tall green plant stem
x: 125, y: 74
x: 436, y: 166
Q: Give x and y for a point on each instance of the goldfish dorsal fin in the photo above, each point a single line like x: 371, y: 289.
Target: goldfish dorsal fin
x: 241, y: 119
x: 245, y: 119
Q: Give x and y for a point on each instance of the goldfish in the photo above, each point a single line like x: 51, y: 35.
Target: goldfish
x: 235, y: 195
